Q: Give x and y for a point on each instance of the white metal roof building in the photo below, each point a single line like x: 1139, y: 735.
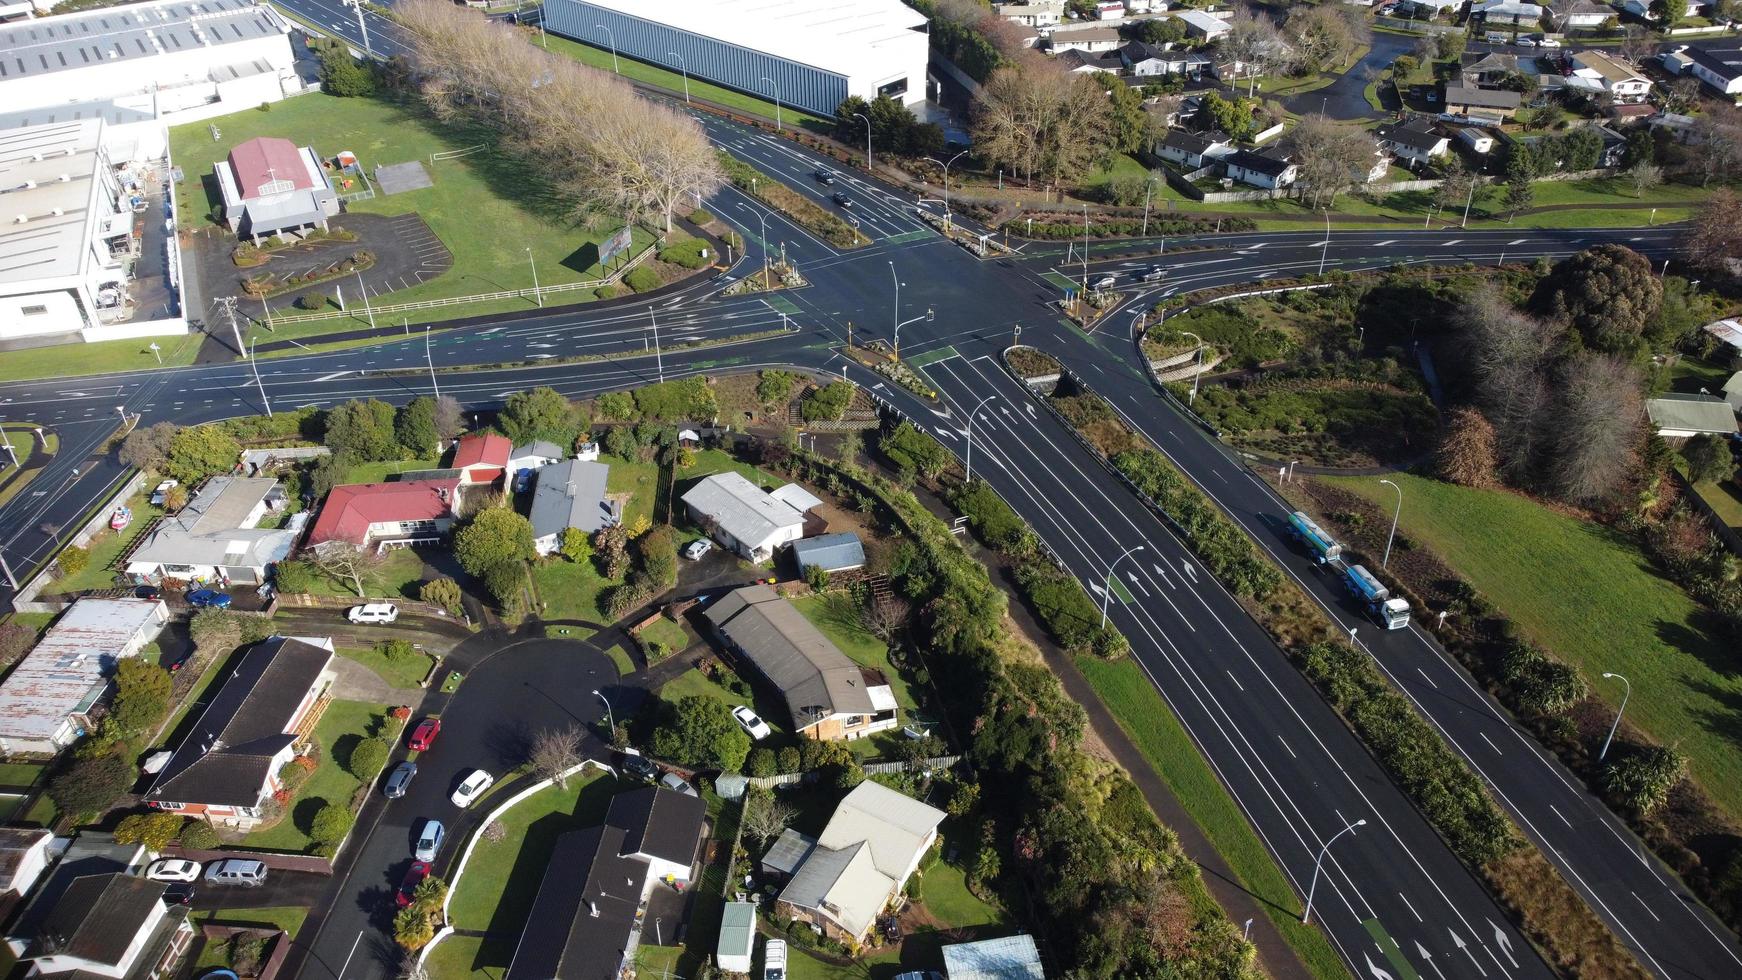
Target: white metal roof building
x: 1005, y: 958
x: 815, y: 52
x: 44, y: 700
x: 742, y: 516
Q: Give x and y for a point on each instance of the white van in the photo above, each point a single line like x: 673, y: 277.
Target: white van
x: 774, y: 960
x: 236, y: 872
x: 373, y: 612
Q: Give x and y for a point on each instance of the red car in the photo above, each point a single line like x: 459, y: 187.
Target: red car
x: 424, y: 735
x: 414, y: 876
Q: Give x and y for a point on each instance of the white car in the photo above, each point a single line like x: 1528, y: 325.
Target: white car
x: 1548, y: 42
x: 173, y: 869
x: 472, y: 787
x: 161, y: 491
x: 753, y: 726
x: 373, y: 612
x: 697, y: 548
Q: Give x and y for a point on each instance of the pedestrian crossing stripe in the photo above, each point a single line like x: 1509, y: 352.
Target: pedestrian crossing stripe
x: 908, y: 236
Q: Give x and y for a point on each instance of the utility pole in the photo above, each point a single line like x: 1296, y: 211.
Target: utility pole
x: 976, y: 411
x: 1395, y: 514
x: 357, y: 5
x: 6, y: 441
x: 535, y: 293
x: 658, y: 359
x: 1323, y: 251
x: 227, y: 304
x: 10, y: 580
x: 431, y: 362
x: 1468, y: 199
x: 255, y: 364
x: 364, y: 290
x: 1627, y: 693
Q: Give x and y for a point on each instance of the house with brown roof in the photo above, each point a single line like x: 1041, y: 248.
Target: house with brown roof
x: 110, y: 926
x: 1484, y: 103
x: 271, y: 185
x: 228, y: 767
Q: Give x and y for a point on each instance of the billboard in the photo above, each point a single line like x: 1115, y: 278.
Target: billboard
x: 614, y: 246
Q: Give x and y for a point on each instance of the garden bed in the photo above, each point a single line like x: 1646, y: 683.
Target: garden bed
x: 268, y: 286
x: 1320, y: 421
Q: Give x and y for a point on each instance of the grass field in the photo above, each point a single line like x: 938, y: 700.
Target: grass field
x: 838, y: 618
x: 381, y: 472
x: 667, y: 633
x: 639, y: 480
x: 1593, y: 600
x: 398, y: 575
x: 405, y: 673
x: 107, y: 546
x: 344, y: 725
x: 570, y: 590
x: 501, y: 879
x: 1151, y: 725
x: 104, y: 357
x: 486, y: 208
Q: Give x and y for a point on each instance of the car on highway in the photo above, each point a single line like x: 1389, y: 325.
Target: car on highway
x: 400, y: 780
x: 1525, y: 42
x: 698, y: 549
x: 825, y: 177
x: 424, y: 735
x: 236, y: 871
x: 209, y: 599
x: 1547, y: 42
x: 752, y: 724
x: 414, y: 876
x: 173, y: 869
x: 843, y: 200
x: 1154, y: 275
x: 429, y: 841
x: 1106, y: 282
x: 373, y: 612
x: 472, y: 787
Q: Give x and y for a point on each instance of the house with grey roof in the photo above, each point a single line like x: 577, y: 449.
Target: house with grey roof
x: 840, y: 552
x: 827, y: 694
x: 534, y: 455
x: 1004, y: 958
x: 1678, y: 416
x: 742, y: 516
x: 108, y: 925
x: 215, y: 538
x: 46, y: 701
x: 570, y: 494
x: 870, y: 847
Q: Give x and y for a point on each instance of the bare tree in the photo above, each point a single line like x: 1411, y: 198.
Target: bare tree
x: 1597, y: 429
x: 1257, y: 43
x: 1718, y: 133
x: 1509, y: 354
x: 1041, y: 119
x: 344, y: 560
x: 1636, y: 45
x: 764, y: 816
x: 1644, y: 175
x: 1332, y: 158
x: 885, y: 618
x: 554, y: 752
x: 450, y: 421
x: 1324, y: 36
x: 1714, y: 239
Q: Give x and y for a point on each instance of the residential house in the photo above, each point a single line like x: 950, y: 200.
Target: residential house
x: 1733, y: 391
x: 1263, y: 170
x: 1079, y: 62
x: 228, y: 767
x: 1110, y: 10
x: 1089, y: 39
x: 214, y: 539
x: 839, y: 552
x: 1621, y: 80
x: 1193, y: 150
x: 108, y: 925
x: 1629, y: 115
x: 1678, y: 416
x: 1428, y: 9
x: 1497, y: 12
x: 1152, y: 60
x: 828, y: 696
x: 1203, y: 25
x: 570, y: 494
x: 1481, y: 103
x: 585, y: 921
x: 742, y: 516
x: 861, y: 862
x: 481, y: 459
x: 1718, y: 63
x: 1005, y: 958
x: 1493, y: 67
x: 1728, y: 332
x: 47, y: 700
x: 535, y: 455
x: 384, y: 515
x: 661, y: 828
x: 787, y: 852
x: 1414, y: 143
x: 25, y: 853
x: 1039, y: 13
x: 89, y: 852
x: 1587, y: 15
x: 1642, y: 9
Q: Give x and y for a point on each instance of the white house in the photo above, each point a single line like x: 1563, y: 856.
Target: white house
x: 1260, y: 169
x: 1200, y: 24
x: 1622, y: 81
x: 1414, y: 143
x: 1718, y: 63
x: 1479, y: 140
x: 1193, y: 150
x: 214, y: 539
x: 870, y: 847
x: 1587, y: 15
x: 1152, y: 60
x: 661, y: 827
x: 535, y: 456
x: 109, y: 925
x: 1507, y: 12
x: 1110, y: 10
x: 742, y: 516
x: 46, y: 700
x: 1040, y: 13
x: 1642, y: 9
x: 272, y: 186
x: 737, y: 943
x: 24, y: 856
x: 1092, y: 40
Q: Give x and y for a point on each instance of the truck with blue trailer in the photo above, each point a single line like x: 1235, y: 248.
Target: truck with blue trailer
x: 1313, y: 538
x: 1375, y: 598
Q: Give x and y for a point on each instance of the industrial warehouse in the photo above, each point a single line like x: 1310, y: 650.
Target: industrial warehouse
x: 806, y: 54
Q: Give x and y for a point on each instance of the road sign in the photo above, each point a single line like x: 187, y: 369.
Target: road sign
x: 614, y: 246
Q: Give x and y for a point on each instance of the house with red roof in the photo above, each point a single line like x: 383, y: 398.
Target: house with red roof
x: 271, y: 185
x: 481, y: 458
x: 374, y: 515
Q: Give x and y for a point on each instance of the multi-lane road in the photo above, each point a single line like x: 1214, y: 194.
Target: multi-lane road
x: 1393, y: 897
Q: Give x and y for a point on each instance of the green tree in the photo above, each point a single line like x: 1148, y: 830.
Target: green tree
x: 1160, y: 30
x: 154, y: 830
x: 142, y: 696
x: 330, y: 825
x: 1606, y: 293
x: 199, y: 836
x: 1231, y: 116
x: 367, y: 758
x: 701, y: 732
x: 496, y: 536
x: 215, y: 630
x: 297, y: 577
x: 92, y: 783
x: 1708, y: 458
x: 1132, y: 127
x: 657, y: 550
x: 541, y: 413
x: 443, y: 592
x: 506, y: 582
x: 414, y: 427
x: 912, y: 451
x: 341, y: 75
x: 1519, y: 194
x: 773, y: 386
x: 1668, y: 13
x: 616, y: 406
x: 1640, y: 780
x: 201, y: 451
x: 364, y: 430
x: 576, y: 546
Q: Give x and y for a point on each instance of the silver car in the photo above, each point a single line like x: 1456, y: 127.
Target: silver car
x: 400, y: 781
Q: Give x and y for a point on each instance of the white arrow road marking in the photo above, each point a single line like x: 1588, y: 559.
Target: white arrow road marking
x: 1505, y: 943
x: 1378, y: 974
x: 1096, y: 588
x: 1388, y: 241
x: 336, y: 375
x: 1458, y: 941
x: 1131, y: 577
x: 1453, y: 241
x: 1032, y: 413
x: 946, y: 432
x: 1191, y: 572
x: 1518, y: 241
x: 1428, y: 958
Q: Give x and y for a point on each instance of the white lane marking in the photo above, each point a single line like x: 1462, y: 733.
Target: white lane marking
x: 1642, y: 904
x: 1563, y: 816
x: 1425, y: 677
x: 1236, y: 680
x: 1411, y: 908
x: 1490, y: 742
x: 1290, y: 751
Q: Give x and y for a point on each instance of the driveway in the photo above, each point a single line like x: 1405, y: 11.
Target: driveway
x: 513, y: 689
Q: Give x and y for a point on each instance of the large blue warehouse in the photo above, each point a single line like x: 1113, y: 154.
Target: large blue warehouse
x: 808, y: 54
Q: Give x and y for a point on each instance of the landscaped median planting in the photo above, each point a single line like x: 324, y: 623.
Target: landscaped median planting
x: 791, y: 203
x: 1444, y: 789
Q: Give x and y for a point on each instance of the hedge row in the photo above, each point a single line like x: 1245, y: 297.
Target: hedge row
x: 1223, y: 547
x: 1127, y: 227
x: 789, y: 202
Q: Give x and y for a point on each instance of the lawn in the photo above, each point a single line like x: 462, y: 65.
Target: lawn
x: 485, y: 207
x: 378, y: 472
x: 399, y: 575
x: 405, y: 673
x: 216, y: 955
x: 570, y: 590
x: 471, y: 957
x: 1725, y: 500
x: 711, y: 461
x: 501, y: 879
x: 1593, y: 600
x: 344, y: 724
x: 1146, y: 718
x: 107, y: 546
x: 639, y: 480
x: 1689, y: 374
x: 944, y: 890
x: 20, y: 774
x: 666, y: 633
x: 104, y: 357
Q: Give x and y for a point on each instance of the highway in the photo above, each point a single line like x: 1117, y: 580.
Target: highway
x: 1393, y: 898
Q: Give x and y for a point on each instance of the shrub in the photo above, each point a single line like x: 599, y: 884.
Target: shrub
x: 396, y: 651
x: 605, y: 292
x: 330, y: 825
x: 1223, y: 547
x: 817, y: 577
x: 154, y: 830
x: 1641, y: 779
x: 297, y: 577
x: 991, y: 518
x: 701, y: 217
x: 199, y: 836
x: 641, y: 279
x: 74, y: 560
x: 658, y: 551
x: 787, y: 759
x: 91, y: 784
x: 774, y: 386
x: 1538, y: 684
x: 368, y: 757
x: 828, y: 403
x: 443, y: 592
x: 312, y: 301
x: 495, y: 832
x: 690, y: 253
x: 762, y: 762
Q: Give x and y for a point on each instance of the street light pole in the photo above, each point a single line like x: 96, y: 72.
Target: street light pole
x: 1326, y: 248
x: 1395, y: 514
x: 357, y: 5
x: 1148, y: 186
x: 1625, y: 694
x: 1306, y: 916
x: 613, y: 37
x: 1200, y: 371
x: 609, y: 715
x: 947, y: 182
x: 976, y: 411
x: 658, y: 358
x: 777, y: 100
x: 254, y: 363
x: 431, y: 362
x: 1109, y: 589
x: 868, y: 165
x: 684, y: 67
x: 1468, y: 199
x: 895, y: 318
x: 536, y: 294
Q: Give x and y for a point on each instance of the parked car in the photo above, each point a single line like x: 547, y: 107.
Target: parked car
x: 472, y: 787
x: 1525, y: 42
x: 843, y: 200
x: 173, y: 869
x: 641, y: 767
x: 697, y: 549
x: 414, y: 876
x: 774, y: 960
x: 236, y: 871
x: 373, y: 612
x: 180, y: 661
x: 825, y: 177
x: 523, y: 479
x: 753, y: 726
x: 160, y: 492
x: 424, y: 735
x: 207, y: 598
x: 400, y: 780
x: 1548, y: 42
x: 147, y: 592
x: 429, y: 841
x: 180, y: 893
x: 677, y: 784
